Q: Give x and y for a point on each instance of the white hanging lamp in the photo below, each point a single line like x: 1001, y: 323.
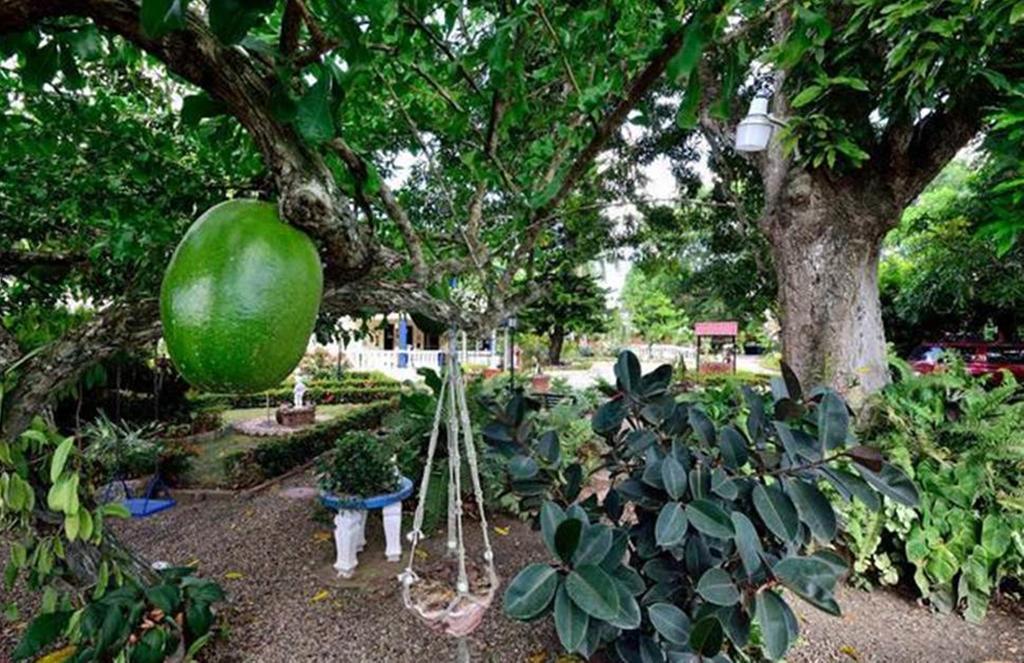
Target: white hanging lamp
x: 754, y: 132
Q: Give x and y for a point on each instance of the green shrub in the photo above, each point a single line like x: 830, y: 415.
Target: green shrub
x: 326, y: 393
x: 128, y: 451
x: 360, y: 464
x: 722, y: 519
x: 962, y: 440
x: 278, y: 455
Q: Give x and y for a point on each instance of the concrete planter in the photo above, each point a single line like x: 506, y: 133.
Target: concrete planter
x: 293, y: 417
x: 541, y: 383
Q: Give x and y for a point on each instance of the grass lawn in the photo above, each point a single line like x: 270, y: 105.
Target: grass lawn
x: 207, y: 468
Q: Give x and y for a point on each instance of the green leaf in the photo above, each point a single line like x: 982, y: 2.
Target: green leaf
x: 609, y: 417
x: 673, y: 475
x: 733, y: 447
x: 523, y: 467
x: 683, y: 62
x: 995, y: 535
x: 60, y: 458
x: 671, y: 622
x: 551, y: 516
x: 811, y: 579
x: 314, y: 118
x: 814, y: 509
x: 689, y: 108
x: 722, y: 485
x: 158, y: 17
x: 892, y: 483
x: 530, y: 592
x: 549, y: 449
x: 748, y: 543
x: 627, y: 372
x: 807, y: 95
x: 567, y: 538
x: 706, y: 637
x: 670, y: 528
x: 833, y: 421
x: 594, y: 591
x: 628, y: 617
x: 165, y: 597
x: 1017, y: 13
x: 869, y: 457
x: 702, y: 426
x: 231, y: 20
x: 716, y: 586
x: 850, y: 486
x: 42, y: 632
x: 595, y: 542
x: 195, y: 107
x: 770, y: 611
x: 115, y: 510
x: 708, y: 518
x: 570, y: 621
x: 777, y: 512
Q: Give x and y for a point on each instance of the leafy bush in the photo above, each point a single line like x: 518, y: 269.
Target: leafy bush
x: 278, y: 455
x: 120, y: 449
x: 128, y: 451
x: 963, y: 441
x: 94, y: 594
x: 361, y: 464
x: 703, y: 524
x: 144, y: 624
x: 321, y: 393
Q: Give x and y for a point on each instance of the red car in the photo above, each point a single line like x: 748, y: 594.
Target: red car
x: 980, y: 358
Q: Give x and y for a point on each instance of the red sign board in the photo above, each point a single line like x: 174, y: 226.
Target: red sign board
x: 720, y: 328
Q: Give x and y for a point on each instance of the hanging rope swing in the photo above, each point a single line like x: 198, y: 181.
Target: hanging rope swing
x: 456, y: 610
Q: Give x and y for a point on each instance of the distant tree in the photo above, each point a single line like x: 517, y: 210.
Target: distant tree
x: 941, y: 276
x: 572, y: 303
x: 654, y: 314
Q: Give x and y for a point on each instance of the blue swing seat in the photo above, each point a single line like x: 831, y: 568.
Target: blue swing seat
x: 141, y: 507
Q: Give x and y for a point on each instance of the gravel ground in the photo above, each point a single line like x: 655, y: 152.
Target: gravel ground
x: 274, y: 553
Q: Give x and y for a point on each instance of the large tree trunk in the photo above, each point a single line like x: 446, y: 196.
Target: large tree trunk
x: 556, y: 339
x: 826, y: 239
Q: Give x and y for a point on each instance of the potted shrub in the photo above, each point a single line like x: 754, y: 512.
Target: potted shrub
x: 360, y: 465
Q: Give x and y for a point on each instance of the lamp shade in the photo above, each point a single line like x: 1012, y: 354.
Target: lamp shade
x: 755, y: 130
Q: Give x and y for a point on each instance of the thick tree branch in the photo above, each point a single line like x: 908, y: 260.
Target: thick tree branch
x: 14, y: 261
x: 121, y: 325
x: 310, y: 197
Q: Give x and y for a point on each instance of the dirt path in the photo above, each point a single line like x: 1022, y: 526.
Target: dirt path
x: 274, y: 556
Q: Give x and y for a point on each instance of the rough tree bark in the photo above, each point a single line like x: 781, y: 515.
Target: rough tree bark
x: 826, y: 238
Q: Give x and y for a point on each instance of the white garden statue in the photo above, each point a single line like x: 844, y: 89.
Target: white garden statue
x: 299, y: 391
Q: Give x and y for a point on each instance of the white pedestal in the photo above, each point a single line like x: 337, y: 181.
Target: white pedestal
x: 350, y: 536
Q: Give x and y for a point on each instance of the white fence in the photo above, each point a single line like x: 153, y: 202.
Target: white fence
x: 377, y: 360
x: 667, y: 353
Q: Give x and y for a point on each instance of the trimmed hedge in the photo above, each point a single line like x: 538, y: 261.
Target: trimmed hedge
x: 277, y: 455
x: 321, y: 393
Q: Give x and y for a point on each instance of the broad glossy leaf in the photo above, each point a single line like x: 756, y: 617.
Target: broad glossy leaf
x: 523, y: 467
x: 627, y: 372
x: 776, y: 511
x: 570, y: 621
x: 671, y: 622
x: 733, y: 447
x: 673, y: 477
x: 630, y: 579
x: 716, y: 586
x: 567, y: 538
x: 656, y: 381
x: 60, y: 458
x: 609, y: 417
x: 748, y: 543
x: 628, y: 617
x: 706, y: 636
x: 811, y: 579
x: 814, y: 509
x: 722, y: 485
x: 892, y: 483
x: 593, y: 590
x: 850, y: 486
x: 314, y: 117
x: 43, y: 631
x: 797, y: 443
x: 595, y: 542
x: 833, y: 421
x: 702, y: 426
x: 549, y: 448
x: 158, y: 17
x: 670, y: 528
x: 869, y: 457
x: 530, y: 592
x: 573, y: 481
x: 551, y: 516
x: 709, y: 518
x: 770, y: 611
